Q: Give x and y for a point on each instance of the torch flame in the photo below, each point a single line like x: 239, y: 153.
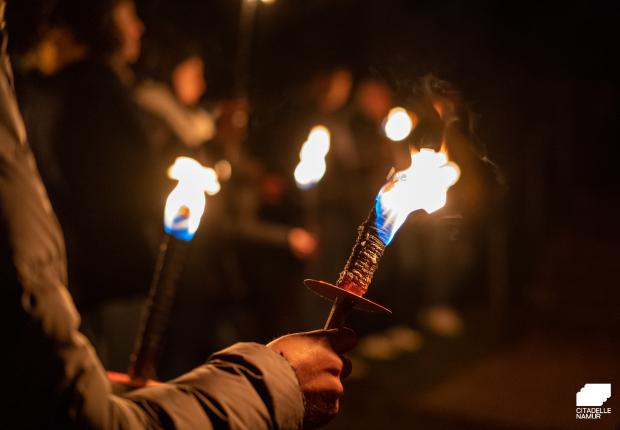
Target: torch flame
x: 186, y: 203
x: 311, y: 167
x: 423, y: 185
x: 398, y: 124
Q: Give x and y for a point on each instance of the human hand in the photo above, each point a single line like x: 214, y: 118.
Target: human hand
x: 316, y: 358
x: 302, y: 243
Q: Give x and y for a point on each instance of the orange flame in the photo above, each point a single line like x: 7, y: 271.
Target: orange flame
x: 423, y: 185
x: 186, y: 203
x: 398, y: 124
x: 311, y: 167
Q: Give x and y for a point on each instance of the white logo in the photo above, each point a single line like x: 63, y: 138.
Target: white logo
x: 593, y: 394
x: 590, y: 399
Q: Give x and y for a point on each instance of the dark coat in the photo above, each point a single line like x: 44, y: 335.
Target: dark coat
x: 51, y: 374
x: 114, y: 197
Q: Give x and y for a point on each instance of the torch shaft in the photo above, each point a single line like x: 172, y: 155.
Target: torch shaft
x: 168, y: 270
x: 340, y: 309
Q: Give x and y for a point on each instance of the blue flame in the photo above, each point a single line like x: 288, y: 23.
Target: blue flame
x: 306, y: 186
x: 384, y: 223
x: 180, y: 226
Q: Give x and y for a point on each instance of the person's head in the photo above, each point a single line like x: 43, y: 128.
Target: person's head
x: 109, y: 28
x: 373, y: 98
x: 57, y: 49
x: 37, y: 41
x: 331, y: 89
x: 188, y: 81
x: 175, y: 60
x: 129, y: 29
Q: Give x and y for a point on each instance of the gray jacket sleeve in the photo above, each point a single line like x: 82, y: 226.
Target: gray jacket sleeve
x: 52, y: 377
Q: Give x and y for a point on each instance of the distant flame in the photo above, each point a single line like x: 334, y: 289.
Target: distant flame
x: 311, y: 167
x: 423, y: 185
x: 398, y: 124
x: 186, y: 203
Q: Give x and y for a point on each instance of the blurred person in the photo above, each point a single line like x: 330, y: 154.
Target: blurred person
x: 39, y: 50
x: 330, y: 208
x: 169, y: 95
x: 56, y: 378
x: 264, y: 225
x: 39, y: 44
x: 321, y: 99
x: 170, y: 86
x: 112, y: 194
x: 268, y: 227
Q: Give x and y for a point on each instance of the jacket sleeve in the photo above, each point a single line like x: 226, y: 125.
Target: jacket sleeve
x: 52, y: 377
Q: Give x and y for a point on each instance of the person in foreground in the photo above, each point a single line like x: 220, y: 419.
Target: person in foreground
x: 52, y: 376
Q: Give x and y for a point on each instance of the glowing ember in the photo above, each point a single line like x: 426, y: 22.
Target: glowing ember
x: 423, y: 185
x: 186, y: 203
x: 311, y: 167
x: 398, y: 124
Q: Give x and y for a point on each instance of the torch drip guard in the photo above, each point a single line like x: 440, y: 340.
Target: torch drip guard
x: 356, y: 276
x: 331, y: 292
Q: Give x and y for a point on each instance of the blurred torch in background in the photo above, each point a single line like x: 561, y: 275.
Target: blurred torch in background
x: 312, y: 166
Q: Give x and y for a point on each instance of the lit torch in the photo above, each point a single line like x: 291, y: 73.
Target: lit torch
x: 184, y: 208
x: 311, y: 167
x: 423, y: 185
x: 398, y: 124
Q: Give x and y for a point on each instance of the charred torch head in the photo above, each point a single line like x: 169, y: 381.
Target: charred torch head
x: 364, y: 258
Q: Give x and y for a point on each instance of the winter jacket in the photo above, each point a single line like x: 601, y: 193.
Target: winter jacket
x: 51, y: 375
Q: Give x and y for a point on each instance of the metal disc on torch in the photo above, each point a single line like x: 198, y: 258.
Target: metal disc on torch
x: 356, y: 276
x: 331, y: 292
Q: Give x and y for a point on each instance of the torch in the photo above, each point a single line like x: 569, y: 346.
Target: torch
x: 184, y: 208
x: 423, y: 185
x: 312, y: 166
x: 398, y: 124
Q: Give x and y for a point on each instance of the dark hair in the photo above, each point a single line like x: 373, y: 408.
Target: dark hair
x: 26, y: 21
x: 91, y: 21
x: 164, y: 49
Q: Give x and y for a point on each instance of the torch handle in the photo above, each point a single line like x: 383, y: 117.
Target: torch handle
x: 340, y: 309
x: 157, y: 310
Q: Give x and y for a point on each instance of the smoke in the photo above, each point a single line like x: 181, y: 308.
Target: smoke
x: 439, y: 105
